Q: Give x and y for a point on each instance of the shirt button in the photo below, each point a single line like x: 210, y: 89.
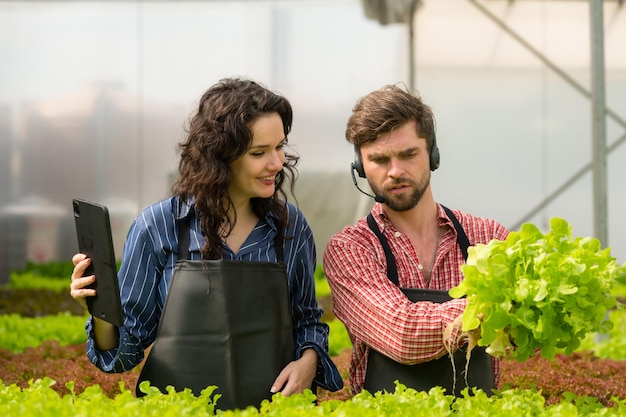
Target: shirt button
x: 397, y: 234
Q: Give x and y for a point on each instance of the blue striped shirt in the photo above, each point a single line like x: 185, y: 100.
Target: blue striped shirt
x: 150, y: 254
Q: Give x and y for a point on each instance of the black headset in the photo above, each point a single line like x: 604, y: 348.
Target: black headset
x: 357, y: 165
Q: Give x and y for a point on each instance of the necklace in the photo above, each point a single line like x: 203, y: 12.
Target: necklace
x: 432, y: 262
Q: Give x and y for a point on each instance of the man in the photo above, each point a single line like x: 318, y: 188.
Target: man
x: 393, y: 133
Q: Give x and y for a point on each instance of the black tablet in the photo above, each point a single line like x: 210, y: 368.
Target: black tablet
x: 93, y: 230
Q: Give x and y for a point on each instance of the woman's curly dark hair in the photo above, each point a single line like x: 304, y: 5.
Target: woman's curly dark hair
x: 219, y: 133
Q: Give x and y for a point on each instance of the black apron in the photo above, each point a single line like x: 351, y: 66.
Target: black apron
x: 382, y: 371
x: 224, y: 323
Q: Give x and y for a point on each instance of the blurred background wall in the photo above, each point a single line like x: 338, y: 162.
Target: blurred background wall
x: 95, y: 95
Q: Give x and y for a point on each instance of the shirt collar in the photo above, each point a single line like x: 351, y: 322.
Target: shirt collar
x: 182, y: 208
x: 185, y: 208
x: 383, y: 220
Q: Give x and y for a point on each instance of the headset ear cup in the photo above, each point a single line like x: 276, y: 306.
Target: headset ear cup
x: 357, y: 165
x: 434, y: 157
x: 434, y: 154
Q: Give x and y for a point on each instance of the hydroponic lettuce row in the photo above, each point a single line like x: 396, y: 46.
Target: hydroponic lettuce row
x: 538, y: 291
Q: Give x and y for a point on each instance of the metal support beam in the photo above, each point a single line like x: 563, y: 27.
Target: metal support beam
x: 412, y: 12
x: 598, y: 122
x: 600, y: 112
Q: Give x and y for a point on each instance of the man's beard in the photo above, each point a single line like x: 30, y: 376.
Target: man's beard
x: 405, y: 202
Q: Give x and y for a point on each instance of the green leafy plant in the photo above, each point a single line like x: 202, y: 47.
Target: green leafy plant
x: 580, y: 373
x: 338, y: 339
x: 29, y: 280
x: 538, y: 291
x: 54, y: 276
x: 51, y: 269
x: 18, y: 333
x: 322, y: 289
x: 39, y: 399
x: 611, y: 345
x: 36, y: 302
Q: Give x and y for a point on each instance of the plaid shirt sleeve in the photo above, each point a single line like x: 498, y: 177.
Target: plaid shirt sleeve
x: 374, y: 310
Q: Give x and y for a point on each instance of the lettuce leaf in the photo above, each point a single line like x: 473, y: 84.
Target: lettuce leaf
x: 536, y: 291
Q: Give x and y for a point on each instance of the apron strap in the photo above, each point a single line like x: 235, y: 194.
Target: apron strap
x: 461, y: 236
x: 392, y: 270
x: 183, y: 238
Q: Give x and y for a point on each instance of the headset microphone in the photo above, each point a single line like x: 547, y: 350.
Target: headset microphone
x: 378, y: 198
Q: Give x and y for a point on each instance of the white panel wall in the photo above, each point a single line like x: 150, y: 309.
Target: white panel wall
x: 94, y: 97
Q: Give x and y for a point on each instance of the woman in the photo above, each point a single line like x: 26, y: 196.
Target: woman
x: 233, y: 167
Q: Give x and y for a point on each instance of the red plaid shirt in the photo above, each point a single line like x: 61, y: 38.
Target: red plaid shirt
x: 374, y: 310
